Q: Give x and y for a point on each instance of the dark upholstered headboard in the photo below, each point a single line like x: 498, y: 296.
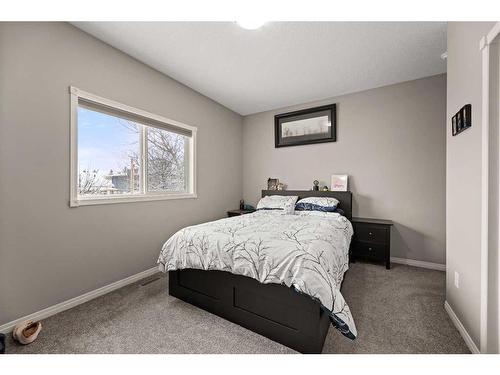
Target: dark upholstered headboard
x: 344, y: 197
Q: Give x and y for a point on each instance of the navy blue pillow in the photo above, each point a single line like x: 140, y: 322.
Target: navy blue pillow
x: 301, y: 206
x: 340, y: 211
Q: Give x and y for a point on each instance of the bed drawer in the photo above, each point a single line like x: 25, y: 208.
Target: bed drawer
x: 272, y: 310
x: 267, y: 308
x: 204, y: 283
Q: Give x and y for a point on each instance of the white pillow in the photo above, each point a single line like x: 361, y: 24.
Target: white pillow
x: 284, y: 204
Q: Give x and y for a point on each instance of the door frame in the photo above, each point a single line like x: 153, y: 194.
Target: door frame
x: 484, y: 47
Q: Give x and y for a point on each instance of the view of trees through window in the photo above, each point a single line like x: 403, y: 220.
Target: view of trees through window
x: 110, y: 156
x: 165, y: 160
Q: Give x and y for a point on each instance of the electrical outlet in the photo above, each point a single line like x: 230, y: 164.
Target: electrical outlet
x: 457, y: 280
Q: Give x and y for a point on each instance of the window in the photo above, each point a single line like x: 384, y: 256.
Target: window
x: 122, y: 154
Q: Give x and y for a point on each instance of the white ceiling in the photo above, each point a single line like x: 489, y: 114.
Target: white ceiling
x: 282, y: 63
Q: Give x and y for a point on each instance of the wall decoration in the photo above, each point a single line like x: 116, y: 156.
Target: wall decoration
x: 272, y: 183
x: 462, y: 120
x: 339, y: 182
x: 307, y: 126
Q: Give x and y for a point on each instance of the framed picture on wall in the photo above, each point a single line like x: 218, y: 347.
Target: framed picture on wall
x: 462, y: 120
x: 307, y: 126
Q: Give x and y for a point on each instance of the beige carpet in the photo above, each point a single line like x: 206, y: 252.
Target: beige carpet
x: 396, y: 311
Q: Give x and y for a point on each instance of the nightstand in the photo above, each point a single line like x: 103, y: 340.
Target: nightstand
x: 371, y: 240
x: 238, y: 212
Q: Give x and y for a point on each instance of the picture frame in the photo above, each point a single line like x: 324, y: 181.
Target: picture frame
x: 272, y: 183
x: 462, y: 120
x: 339, y: 182
x: 307, y: 126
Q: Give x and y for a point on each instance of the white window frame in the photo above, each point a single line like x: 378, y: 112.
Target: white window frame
x: 76, y: 200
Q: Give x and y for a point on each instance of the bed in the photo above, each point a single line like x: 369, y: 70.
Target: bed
x: 277, y: 275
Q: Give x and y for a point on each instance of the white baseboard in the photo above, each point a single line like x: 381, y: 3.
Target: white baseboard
x: 463, y: 332
x: 52, y: 310
x: 419, y: 263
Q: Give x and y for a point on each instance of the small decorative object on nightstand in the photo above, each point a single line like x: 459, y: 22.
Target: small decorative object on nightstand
x: 239, y: 212
x: 371, y: 240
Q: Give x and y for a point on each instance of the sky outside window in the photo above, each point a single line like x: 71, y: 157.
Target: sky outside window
x: 105, y: 142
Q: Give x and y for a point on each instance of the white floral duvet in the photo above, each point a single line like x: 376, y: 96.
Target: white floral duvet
x: 306, y: 251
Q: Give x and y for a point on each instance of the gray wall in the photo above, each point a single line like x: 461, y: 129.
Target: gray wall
x: 48, y: 251
x: 391, y: 143
x: 463, y: 175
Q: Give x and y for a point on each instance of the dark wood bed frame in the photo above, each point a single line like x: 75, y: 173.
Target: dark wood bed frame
x: 272, y: 310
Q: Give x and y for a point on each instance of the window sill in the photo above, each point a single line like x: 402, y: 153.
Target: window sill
x: 129, y: 199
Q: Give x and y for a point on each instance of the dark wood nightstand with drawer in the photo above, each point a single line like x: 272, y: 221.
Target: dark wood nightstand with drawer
x: 371, y: 240
x: 238, y: 212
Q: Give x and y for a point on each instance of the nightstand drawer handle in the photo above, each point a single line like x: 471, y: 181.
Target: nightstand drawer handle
x: 370, y: 249
x: 370, y: 233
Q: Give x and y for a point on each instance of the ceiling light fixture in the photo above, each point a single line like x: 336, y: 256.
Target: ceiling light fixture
x: 250, y: 24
